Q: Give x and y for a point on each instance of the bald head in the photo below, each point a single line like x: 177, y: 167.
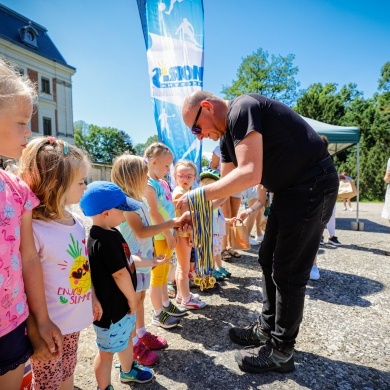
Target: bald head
x: 207, y: 113
x: 195, y: 98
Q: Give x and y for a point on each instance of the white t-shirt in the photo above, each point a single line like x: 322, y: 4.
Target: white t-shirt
x: 66, y: 273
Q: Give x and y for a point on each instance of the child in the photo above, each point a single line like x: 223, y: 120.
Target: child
x: 130, y: 173
x: 185, y: 174
x: 219, y: 226
x: 20, y: 268
x: 56, y: 171
x: 159, y: 158
x: 115, y: 280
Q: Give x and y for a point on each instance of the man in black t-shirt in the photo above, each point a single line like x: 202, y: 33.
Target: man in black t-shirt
x: 264, y: 141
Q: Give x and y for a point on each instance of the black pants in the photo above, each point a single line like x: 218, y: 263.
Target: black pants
x: 295, y: 225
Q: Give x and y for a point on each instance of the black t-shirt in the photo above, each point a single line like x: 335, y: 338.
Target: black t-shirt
x: 108, y: 253
x: 290, y: 146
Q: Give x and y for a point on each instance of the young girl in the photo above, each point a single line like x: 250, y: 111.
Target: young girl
x: 20, y: 268
x: 131, y: 174
x: 56, y: 171
x: 185, y: 174
x: 159, y: 158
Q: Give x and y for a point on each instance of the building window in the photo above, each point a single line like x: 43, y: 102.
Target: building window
x: 46, y: 126
x: 45, y: 85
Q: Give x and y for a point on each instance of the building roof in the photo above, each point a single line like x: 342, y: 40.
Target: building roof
x: 11, y: 25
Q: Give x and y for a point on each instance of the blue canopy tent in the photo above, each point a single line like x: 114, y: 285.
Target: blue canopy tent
x: 340, y: 138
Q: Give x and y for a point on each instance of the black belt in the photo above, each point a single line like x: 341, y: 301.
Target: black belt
x: 321, y: 167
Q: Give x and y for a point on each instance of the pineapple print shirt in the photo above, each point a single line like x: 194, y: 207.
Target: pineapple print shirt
x: 66, y: 273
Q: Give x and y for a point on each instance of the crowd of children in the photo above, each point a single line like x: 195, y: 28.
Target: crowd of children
x: 55, y: 280
x: 59, y: 280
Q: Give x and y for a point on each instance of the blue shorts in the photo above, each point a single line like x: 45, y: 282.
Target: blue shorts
x: 15, y: 349
x: 116, y: 337
x: 143, y: 281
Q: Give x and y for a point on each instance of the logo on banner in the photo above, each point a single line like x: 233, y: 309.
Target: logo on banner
x: 178, y: 76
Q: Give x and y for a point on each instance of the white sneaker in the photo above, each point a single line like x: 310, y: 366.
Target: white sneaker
x: 344, y: 209
x: 314, y: 273
x: 253, y: 242
x: 193, y: 304
x: 259, y: 238
x: 179, y: 298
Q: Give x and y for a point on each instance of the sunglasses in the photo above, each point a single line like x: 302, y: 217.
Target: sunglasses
x: 196, y: 130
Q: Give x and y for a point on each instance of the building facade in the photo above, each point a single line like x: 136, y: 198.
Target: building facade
x: 27, y: 44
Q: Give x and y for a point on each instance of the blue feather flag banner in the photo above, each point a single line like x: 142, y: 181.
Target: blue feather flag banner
x: 173, y: 32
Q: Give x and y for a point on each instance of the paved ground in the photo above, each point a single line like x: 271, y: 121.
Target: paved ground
x: 344, y: 341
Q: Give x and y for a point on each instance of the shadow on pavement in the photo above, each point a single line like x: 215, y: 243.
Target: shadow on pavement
x: 369, y: 226
x: 312, y: 372
x: 342, y: 289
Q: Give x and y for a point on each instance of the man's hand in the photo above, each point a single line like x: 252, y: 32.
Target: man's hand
x: 182, y: 201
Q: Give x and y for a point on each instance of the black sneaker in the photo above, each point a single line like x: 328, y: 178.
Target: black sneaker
x: 253, y: 334
x: 175, y: 311
x: 265, y: 358
x: 165, y: 320
x: 334, y: 241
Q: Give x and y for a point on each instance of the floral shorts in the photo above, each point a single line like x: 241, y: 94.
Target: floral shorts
x: 49, y: 374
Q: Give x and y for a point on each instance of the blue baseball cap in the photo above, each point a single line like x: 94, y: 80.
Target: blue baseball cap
x: 104, y: 195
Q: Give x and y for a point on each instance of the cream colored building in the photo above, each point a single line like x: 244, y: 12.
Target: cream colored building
x: 28, y: 45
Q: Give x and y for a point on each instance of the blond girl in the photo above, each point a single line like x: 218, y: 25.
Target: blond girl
x: 56, y: 172
x: 21, y: 282
x: 158, y: 196
x: 131, y: 174
x: 185, y: 175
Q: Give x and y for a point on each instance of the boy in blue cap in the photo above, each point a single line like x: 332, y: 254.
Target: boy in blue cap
x: 114, y: 279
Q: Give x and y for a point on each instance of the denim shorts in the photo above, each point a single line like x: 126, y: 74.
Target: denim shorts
x: 116, y: 337
x: 143, y: 281
x: 15, y: 349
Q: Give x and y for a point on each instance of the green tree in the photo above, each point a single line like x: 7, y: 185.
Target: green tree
x: 102, y: 144
x: 205, y: 161
x: 140, y: 148
x: 325, y: 103
x: 273, y: 77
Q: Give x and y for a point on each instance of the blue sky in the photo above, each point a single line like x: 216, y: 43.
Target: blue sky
x: 337, y: 41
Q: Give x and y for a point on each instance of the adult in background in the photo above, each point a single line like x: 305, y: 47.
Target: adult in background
x: 386, y: 207
x: 229, y: 208
x: 264, y: 141
x: 346, y: 201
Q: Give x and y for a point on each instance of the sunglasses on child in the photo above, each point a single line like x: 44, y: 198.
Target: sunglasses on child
x: 194, y: 129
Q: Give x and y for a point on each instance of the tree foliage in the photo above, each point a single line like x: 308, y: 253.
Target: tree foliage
x: 273, y: 77
x: 102, y: 144
x: 347, y: 107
